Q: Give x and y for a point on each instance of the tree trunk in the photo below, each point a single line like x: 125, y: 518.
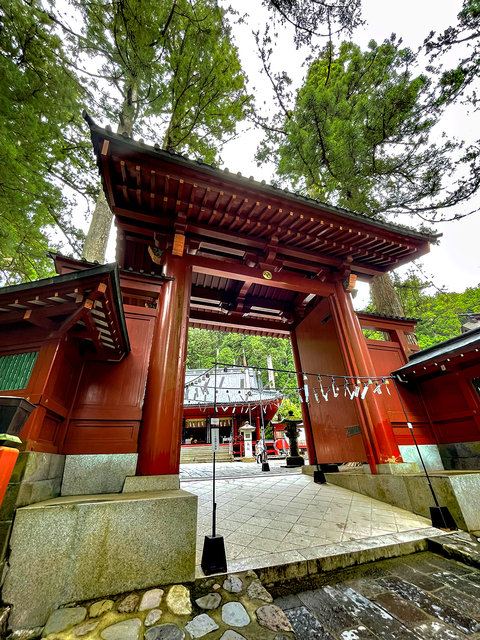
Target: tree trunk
x: 99, y: 230
x: 384, y: 297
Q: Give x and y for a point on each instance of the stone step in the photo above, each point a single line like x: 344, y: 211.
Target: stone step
x: 281, y: 571
x: 203, y: 454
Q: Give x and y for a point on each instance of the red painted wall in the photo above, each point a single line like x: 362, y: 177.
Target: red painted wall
x: 387, y: 357
x: 453, y: 404
x: 319, y: 352
x: 107, y: 410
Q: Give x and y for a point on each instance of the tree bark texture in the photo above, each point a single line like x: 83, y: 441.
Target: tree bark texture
x: 384, y: 297
x: 98, y: 232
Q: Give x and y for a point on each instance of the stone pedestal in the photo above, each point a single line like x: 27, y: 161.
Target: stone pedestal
x: 137, y: 484
x: 36, y: 477
x: 97, y: 473
x: 81, y: 547
x: 295, y: 461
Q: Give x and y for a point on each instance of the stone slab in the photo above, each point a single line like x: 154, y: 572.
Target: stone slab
x: 85, y: 547
x: 97, y: 473
x: 460, y: 455
x: 398, y: 469
x: 135, y: 484
x: 430, y: 454
x: 32, y: 466
x: 332, y: 557
x: 411, y: 492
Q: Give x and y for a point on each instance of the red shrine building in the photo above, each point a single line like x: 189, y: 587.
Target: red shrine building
x: 101, y: 349
x: 234, y: 396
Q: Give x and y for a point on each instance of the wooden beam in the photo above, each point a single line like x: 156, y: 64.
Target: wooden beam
x: 238, y: 322
x: 43, y: 322
x: 224, y: 268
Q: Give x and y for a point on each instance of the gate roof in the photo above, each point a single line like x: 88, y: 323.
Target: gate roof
x: 236, y: 228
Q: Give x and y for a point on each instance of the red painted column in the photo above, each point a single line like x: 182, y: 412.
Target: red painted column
x: 312, y: 459
x: 257, y: 424
x: 8, y: 457
x: 383, y: 439
x: 161, y: 429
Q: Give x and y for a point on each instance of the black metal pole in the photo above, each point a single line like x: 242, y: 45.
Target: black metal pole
x: 265, y: 465
x: 214, y: 514
x: 214, y: 510
x: 214, y: 559
x: 440, y: 511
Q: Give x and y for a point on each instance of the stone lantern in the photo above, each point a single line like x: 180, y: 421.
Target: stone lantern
x: 246, y: 430
x: 291, y: 430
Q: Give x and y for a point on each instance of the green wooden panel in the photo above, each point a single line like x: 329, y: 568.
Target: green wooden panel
x: 16, y: 369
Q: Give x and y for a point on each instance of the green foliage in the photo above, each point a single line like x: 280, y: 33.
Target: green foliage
x: 358, y: 134
x: 169, y: 68
x: 287, y: 406
x: 232, y: 347
x: 455, y: 83
x: 165, y: 68
x: 40, y: 106
x: 438, y: 313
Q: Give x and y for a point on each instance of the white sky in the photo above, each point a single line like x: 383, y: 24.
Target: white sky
x: 455, y: 263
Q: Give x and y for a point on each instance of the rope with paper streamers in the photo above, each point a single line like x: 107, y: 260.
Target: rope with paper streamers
x: 326, y: 387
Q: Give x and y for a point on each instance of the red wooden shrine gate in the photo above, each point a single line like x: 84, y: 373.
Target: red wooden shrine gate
x: 202, y: 247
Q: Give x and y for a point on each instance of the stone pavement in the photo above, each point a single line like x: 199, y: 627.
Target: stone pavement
x: 193, y: 471
x: 284, y: 516
x: 423, y: 596
x: 234, y: 607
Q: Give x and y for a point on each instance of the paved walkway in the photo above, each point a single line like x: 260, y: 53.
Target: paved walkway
x: 194, y: 471
x: 270, y: 514
x: 418, y: 597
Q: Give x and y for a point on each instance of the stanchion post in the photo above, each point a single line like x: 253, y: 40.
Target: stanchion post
x: 440, y: 516
x: 214, y: 559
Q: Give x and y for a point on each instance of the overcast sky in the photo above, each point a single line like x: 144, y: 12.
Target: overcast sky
x: 455, y: 263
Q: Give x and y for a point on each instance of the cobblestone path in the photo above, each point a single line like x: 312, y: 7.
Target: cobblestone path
x: 423, y: 596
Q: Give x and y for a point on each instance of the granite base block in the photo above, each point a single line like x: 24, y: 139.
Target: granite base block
x: 136, y: 484
x: 430, y: 455
x: 83, y: 547
x: 462, y: 456
x: 97, y: 473
x: 411, y: 492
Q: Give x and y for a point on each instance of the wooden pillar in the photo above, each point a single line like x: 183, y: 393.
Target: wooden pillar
x: 382, y: 438
x: 312, y: 459
x: 161, y: 429
x: 257, y: 424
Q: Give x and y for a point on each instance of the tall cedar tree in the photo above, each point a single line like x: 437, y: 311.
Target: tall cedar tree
x: 40, y: 142
x: 162, y: 68
x: 165, y: 67
x: 358, y: 137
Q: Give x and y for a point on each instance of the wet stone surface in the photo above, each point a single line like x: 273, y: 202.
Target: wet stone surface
x: 201, y: 625
x: 63, y: 619
x: 125, y: 630
x: 423, y: 597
